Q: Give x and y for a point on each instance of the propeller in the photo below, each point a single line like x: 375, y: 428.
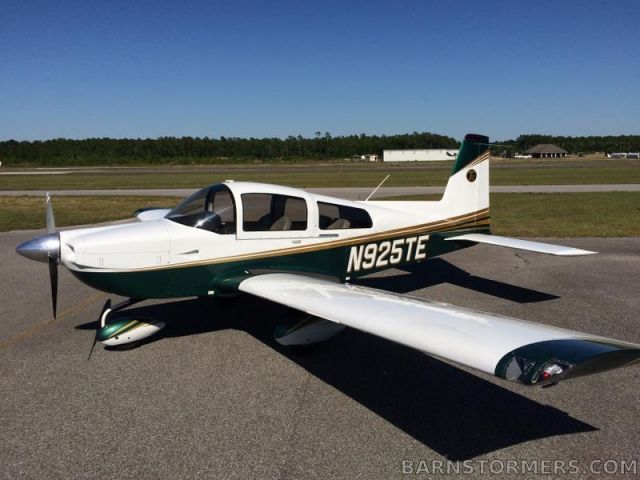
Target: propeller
x: 45, y: 248
x: 101, y: 323
x: 51, y: 221
x: 53, y: 276
x: 53, y: 258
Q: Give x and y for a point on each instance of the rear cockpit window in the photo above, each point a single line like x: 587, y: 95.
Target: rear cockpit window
x: 264, y: 212
x: 211, y: 209
x: 338, y: 217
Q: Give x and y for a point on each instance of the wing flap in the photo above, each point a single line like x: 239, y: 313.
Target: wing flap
x: 506, y: 347
x: 521, y: 244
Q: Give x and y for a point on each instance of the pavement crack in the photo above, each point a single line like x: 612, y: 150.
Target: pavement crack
x: 521, y: 258
x: 288, y: 443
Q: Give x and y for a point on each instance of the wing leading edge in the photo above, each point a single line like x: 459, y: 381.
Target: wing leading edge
x: 509, y: 348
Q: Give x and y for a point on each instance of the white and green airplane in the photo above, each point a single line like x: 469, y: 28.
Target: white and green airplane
x: 302, y: 250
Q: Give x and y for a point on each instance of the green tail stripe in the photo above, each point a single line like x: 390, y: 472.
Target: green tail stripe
x: 472, y: 146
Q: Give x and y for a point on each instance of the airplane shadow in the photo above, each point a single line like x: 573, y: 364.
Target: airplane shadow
x: 455, y: 413
x: 438, y: 271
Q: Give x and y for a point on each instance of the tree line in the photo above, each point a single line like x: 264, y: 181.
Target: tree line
x: 101, y: 151
x: 575, y: 145
x: 184, y: 150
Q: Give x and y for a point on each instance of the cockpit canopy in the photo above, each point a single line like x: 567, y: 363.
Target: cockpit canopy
x: 265, y: 208
x: 211, y: 208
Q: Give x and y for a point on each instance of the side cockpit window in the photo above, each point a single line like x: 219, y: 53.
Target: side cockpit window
x: 264, y: 212
x: 338, y: 217
x: 211, y: 209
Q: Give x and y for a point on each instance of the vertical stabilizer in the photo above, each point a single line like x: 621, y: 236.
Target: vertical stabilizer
x: 467, y: 191
x: 472, y: 147
x: 468, y: 186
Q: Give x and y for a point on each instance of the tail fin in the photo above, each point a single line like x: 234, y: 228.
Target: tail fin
x: 468, y: 186
x: 467, y: 193
x: 472, y: 147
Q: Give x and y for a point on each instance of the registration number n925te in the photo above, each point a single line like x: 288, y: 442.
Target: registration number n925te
x: 389, y: 252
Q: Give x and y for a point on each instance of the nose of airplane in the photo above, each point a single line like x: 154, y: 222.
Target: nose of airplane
x: 41, y: 248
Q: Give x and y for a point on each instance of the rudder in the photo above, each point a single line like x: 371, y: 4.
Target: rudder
x: 472, y: 147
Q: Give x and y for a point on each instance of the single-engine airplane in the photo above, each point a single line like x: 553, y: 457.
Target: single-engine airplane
x: 302, y: 250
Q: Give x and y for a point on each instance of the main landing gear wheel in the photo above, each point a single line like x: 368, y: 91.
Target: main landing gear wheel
x: 303, y: 337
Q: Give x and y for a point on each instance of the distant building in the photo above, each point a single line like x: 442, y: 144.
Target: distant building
x: 369, y: 157
x: 546, y: 150
x: 427, y: 155
x: 623, y: 155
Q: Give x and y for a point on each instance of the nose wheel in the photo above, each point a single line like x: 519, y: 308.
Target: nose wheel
x: 124, y: 332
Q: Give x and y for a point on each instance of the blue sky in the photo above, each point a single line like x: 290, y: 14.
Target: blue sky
x: 88, y: 68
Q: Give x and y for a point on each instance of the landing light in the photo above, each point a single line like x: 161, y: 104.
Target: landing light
x: 550, y: 371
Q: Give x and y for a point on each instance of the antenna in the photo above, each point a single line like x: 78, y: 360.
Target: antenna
x: 376, y: 189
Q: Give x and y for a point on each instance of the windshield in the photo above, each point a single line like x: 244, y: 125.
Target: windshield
x: 211, y: 209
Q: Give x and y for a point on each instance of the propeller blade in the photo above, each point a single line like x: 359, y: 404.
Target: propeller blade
x: 53, y: 276
x: 51, y: 221
x: 95, y: 340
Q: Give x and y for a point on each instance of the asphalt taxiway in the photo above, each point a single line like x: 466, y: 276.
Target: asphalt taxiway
x: 214, y: 397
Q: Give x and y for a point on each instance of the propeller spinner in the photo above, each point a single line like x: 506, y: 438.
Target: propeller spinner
x: 46, y: 248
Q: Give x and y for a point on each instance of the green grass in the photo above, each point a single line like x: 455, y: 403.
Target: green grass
x: 26, y: 213
x: 329, y: 178
x: 611, y: 214
x: 332, y: 175
x: 602, y: 214
x: 564, y: 176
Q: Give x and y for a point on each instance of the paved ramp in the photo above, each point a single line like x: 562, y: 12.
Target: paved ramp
x: 215, y: 397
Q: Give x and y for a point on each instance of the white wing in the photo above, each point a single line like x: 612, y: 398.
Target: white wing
x: 507, y: 347
x: 521, y: 244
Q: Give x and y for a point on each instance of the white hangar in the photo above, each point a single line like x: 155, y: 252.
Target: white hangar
x: 426, y: 155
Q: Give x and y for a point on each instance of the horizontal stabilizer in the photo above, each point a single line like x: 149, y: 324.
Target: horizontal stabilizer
x: 521, y: 244
x: 509, y: 348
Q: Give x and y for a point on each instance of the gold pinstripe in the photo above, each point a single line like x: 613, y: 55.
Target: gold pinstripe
x: 480, y: 158
x: 478, y: 218
x: 129, y: 326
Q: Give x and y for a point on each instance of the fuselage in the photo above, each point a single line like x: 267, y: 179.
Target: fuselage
x: 263, y: 228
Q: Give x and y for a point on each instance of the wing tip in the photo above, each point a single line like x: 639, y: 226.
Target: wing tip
x: 575, y: 252
x: 548, y: 362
